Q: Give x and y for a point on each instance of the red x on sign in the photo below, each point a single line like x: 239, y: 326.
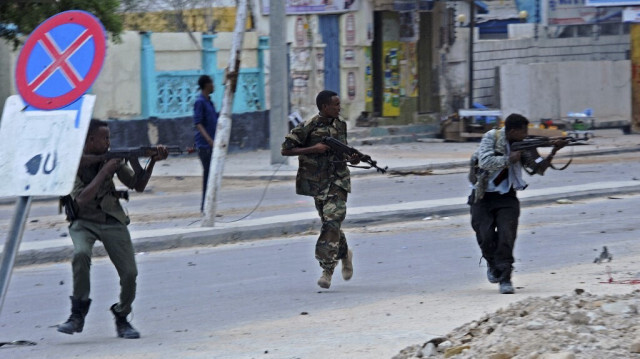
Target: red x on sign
x: 61, y: 59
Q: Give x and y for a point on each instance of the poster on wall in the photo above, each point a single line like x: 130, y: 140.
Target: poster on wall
x: 409, y: 26
x: 303, y: 32
x: 368, y: 80
x: 315, y: 6
x: 409, y: 70
x: 578, y: 13
x: 351, y: 85
x: 391, y: 68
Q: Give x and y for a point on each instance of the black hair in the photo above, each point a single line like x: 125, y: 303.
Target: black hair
x: 324, y: 98
x: 515, y: 122
x: 203, y: 80
x: 95, y: 124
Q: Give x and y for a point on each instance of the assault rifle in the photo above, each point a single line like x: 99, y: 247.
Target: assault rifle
x: 127, y: 152
x: 531, y: 142
x: 143, y: 151
x: 348, y: 151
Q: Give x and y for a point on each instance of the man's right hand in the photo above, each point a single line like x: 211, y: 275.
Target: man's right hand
x: 112, y: 166
x: 320, y: 148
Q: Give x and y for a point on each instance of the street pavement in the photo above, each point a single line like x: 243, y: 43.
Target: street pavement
x: 403, y: 159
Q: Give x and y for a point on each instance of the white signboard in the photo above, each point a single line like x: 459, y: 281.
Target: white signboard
x: 40, y: 151
x: 576, y: 12
x: 631, y: 14
x: 314, y: 6
x: 612, y: 2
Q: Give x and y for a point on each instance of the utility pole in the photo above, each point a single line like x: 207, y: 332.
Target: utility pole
x: 472, y: 25
x: 223, y: 128
x: 278, y: 79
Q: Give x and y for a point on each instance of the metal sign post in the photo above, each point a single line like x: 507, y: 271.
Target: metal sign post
x: 12, y: 244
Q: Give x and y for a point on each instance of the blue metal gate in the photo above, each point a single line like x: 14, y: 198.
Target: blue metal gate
x: 330, y: 31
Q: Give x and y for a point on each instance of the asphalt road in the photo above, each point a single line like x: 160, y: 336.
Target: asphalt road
x: 247, y: 300
x: 176, y: 203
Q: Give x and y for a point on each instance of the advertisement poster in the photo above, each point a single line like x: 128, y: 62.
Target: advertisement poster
x: 315, y: 6
x: 391, y: 68
x: 578, y: 13
x: 351, y: 85
x: 409, y: 22
x: 409, y: 70
x: 368, y: 81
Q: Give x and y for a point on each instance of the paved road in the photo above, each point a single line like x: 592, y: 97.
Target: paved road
x: 245, y: 300
x: 175, y: 203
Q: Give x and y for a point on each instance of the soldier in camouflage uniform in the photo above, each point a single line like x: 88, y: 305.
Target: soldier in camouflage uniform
x: 323, y: 175
x: 99, y: 216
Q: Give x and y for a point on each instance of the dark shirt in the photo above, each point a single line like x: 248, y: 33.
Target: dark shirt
x: 105, y: 204
x: 204, y: 112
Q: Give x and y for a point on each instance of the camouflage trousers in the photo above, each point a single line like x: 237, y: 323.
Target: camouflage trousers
x: 332, y: 244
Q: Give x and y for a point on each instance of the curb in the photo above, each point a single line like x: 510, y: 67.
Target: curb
x: 213, y: 237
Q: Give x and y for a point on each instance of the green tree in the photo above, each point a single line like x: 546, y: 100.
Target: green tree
x: 20, y: 17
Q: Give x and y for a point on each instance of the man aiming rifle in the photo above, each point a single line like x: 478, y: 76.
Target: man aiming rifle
x: 495, y: 208
x: 94, y: 212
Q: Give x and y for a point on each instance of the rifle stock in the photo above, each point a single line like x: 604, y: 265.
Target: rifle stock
x: 349, y: 151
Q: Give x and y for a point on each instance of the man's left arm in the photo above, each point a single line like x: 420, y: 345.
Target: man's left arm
x: 136, y: 177
x: 532, y: 160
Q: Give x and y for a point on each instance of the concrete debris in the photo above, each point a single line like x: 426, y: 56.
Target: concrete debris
x: 558, y: 327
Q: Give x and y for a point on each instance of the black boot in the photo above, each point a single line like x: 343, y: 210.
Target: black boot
x: 123, y: 327
x: 75, y: 323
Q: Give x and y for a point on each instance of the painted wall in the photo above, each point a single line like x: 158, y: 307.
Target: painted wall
x: 552, y: 90
x: 117, y: 88
x: 7, y: 71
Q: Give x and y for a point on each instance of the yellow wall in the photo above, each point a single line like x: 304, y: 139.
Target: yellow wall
x: 195, y: 19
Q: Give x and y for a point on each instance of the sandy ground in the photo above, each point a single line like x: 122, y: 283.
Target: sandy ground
x: 375, y: 331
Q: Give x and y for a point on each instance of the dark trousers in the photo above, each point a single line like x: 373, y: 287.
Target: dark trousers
x: 205, y: 158
x: 495, y: 220
x: 117, y: 242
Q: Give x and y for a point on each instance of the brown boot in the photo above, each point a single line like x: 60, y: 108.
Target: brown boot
x: 347, y: 266
x: 325, y: 279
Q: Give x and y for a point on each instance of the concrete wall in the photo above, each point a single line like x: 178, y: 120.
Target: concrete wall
x: 490, y: 54
x: 551, y: 90
x: 117, y: 88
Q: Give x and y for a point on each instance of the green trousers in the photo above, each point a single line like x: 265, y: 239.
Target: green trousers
x: 331, y: 246
x: 117, y: 242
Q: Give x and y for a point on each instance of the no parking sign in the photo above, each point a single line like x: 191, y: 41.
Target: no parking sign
x: 42, y: 132
x: 60, y: 60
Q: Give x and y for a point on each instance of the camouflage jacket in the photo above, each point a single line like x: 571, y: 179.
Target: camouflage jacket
x: 316, y: 172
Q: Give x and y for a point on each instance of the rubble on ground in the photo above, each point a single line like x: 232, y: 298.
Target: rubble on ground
x: 580, y: 325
